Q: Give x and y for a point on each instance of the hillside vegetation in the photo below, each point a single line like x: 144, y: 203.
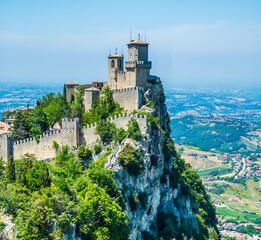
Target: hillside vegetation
x: 77, y: 193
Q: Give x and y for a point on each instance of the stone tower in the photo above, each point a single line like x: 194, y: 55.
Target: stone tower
x: 90, y: 95
x: 69, y: 87
x: 6, y: 146
x: 70, y: 132
x: 116, y: 75
x: 137, y: 67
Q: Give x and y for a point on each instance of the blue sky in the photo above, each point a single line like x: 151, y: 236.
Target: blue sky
x: 190, y: 41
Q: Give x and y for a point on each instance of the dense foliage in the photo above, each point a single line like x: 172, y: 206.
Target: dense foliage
x: 62, y: 194
x: 32, y: 122
x: 104, y: 107
x: 130, y: 159
x: 134, y: 130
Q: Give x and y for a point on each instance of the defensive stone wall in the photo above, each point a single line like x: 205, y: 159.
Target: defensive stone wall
x: 129, y: 98
x: 89, y: 136
x: 122, y: 121
x: 70, y: 134
x: 41, y: 150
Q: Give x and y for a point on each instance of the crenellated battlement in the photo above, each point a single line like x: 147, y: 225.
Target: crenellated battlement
x: 70, y: 135
x: 41, y: 137
x: 131, y: 89
x: 121, y: 117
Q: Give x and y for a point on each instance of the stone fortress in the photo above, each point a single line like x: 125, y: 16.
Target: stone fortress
x: 127, y: 88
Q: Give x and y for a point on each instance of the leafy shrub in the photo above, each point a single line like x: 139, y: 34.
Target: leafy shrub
x: 169, y: 148
x: 150, y: 103
x: 2, y: 226
x: 152, y: 121
x: 130, y: 159
x: 84, y: 153
x: 55, y: 145
x: 134, y: 130
x: 120, y: 135
x: 97, y: 148
x: 106, y: 131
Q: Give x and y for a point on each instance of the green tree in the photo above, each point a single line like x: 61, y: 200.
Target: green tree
x: 18, y: 129
x: 106, y: 131
x: 55, y: 146
x: 2, y: 166
x: 213, y: 234
x: 10, y: 169
x: 76, y: 105
x: 100, y: 217
x: 120, y: 135
x: 134, y: 130
x: 36, y: 223
x: 97, y: 148
x: 104, y: 107
x: 130, y: 159
x: 44, y: 178
x: 84, y: 153
x: 55, y: 110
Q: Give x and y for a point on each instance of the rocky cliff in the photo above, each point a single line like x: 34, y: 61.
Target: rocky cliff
x: 159, y: 202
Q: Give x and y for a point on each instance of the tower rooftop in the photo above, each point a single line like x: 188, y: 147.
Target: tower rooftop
x: 92, y: 89
x: 72, y: 83
x: 137, y: 42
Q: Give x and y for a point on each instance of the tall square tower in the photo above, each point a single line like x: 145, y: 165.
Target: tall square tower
x: 137, y: 67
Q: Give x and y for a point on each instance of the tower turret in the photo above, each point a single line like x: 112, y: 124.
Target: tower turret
x: 116, y: 76
x: 69, y: 87
x: 138, y: 67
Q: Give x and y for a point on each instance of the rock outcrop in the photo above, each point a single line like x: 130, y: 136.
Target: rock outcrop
x: 153, y: 182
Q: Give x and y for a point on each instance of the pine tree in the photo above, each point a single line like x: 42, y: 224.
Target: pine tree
x: 18, y: 129
x: 44, y: 177
x: 10, y: 170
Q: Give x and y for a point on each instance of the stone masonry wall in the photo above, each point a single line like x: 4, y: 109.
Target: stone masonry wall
x: 41, y: 150
x: 129, y: 98
x: 71, y: 135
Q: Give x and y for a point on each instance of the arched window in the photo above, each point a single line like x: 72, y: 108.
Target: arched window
x: 119, y: 63
x: 112, y: 63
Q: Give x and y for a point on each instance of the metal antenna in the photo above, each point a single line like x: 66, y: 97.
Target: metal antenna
x: 139, y: 36
x: 115, y: 50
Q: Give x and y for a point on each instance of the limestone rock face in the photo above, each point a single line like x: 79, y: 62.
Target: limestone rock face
x: 7, y: 233
x: 160, y: 196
